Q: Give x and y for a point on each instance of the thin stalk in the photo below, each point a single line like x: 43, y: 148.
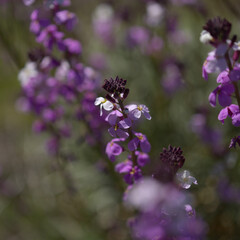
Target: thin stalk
x: 134, y: 159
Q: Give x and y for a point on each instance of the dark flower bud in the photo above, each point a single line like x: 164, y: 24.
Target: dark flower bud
x: 116, y: 87
x: 218, y: 28
x: 111, y: 99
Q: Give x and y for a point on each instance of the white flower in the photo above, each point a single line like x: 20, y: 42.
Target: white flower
x: 205, y: 37
x: 185, y: 180
x: 154, y: 14
x: 28, y: 72
x: 62, y: 71
x: 236, y: 46
x: 104, y: 103
x: 137, y: 110
x: 103, y: 13
x: 28, y: 2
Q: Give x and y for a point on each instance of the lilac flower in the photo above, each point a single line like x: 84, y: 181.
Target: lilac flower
x: 228, y: 111
x: 137, y: 36
x: 49, y: 36
x: 133, y: 175
x: 124, y: 167
x: 154, y: 14
x: 154, y: 46
x: 39, y: 19
x: 113, y: 149
x: 190, y: 211
x: 38, y: 126
x: 141, y: 140
x: 28, y: 2
x: 117, y: 127
x: 67, y: 18
x: 142, y: 158
x: 185, y: 180
x: 103, y: 22
x: 223, y: 77
x: 138, y: 110
x: 236, y: 119
x: 224, y: 93
x: 234, y: 142
x: 215, y: 61
x: 234, y: 75
x: 104, y: 103
x: 72, y: 46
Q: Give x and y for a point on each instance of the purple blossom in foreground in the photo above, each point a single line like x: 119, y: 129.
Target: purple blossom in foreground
x: 164, y: 212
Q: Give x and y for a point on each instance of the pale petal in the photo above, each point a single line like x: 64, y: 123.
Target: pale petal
x: 108, y: 106
x: 98, y: 101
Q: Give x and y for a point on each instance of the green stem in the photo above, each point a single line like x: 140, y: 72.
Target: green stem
x: 130, y: 132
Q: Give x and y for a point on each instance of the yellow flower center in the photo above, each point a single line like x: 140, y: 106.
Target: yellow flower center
x: 139, y: 108
x: 116, y: 127
x: 104, y: 101
x: 140, y: 137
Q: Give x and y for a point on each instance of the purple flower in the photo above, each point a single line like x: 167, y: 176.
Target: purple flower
x: 124, y: 167
x: 234, y: 75
x: 28, y: 2
x: 71, y: 46
x: 224, y: 93
x: 234, y: 142
x: 117, y: 127
x: 215, y: 61
x: 133, y: 173
x: 39, y: 18
x: 223, y: 77
x: 228, y: 112
x: 142, y: 158
x: 190, y: 211
x: 138, y: 110
x: 49, y: 36
x: 137, y: 36
x: 236, y: 120
x: 141, y: 140
x: 113, y: 149
x: 67, y: 18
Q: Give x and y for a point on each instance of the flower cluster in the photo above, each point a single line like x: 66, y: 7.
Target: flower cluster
x: 121, y: 120
x: 164, y: 212
x: 224, y: 61
x: 56, y: 85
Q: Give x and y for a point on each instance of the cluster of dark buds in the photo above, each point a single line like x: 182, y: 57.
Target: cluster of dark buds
x: 116, y: 88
